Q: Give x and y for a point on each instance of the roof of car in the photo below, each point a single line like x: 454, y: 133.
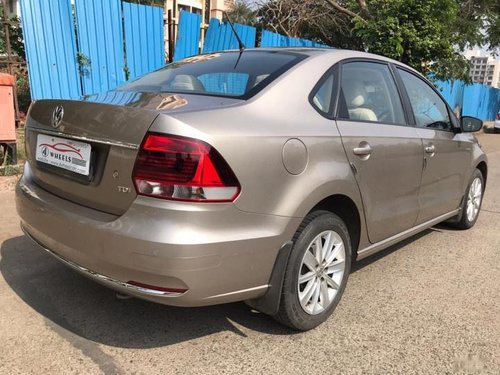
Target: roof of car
x: 312, y: 51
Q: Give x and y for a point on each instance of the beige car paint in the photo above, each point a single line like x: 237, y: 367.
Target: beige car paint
x: 225, y: 252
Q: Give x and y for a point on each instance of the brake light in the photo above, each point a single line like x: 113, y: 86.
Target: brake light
x: 498, y: 116
x: 180, y: 168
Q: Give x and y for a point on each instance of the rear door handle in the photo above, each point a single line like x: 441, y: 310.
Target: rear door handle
x: 364, y: 149
x: 430, y: 149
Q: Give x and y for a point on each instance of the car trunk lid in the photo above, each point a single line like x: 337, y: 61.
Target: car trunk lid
x: 108, y: 130
x: 89, y: 156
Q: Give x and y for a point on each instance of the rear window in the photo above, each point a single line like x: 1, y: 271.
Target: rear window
x: 228, y: 74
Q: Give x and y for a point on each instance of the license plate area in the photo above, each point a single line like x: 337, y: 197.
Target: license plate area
x: 65, y: 156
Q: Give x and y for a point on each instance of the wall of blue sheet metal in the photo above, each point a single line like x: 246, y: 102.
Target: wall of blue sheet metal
x: 50, y: 44
x: 100, y: 54
x: 471, y: 100
x: 188, y: 35
x: 109, y: 52
x: 101, y: 42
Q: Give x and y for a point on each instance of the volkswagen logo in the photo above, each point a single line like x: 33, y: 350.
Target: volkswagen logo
x: 57, y: 116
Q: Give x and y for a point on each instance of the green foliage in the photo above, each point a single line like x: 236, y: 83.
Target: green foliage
x: 428, y: 35
x: 422, y: 34
x: 16, y: 36
x: 23, y: 91
x: 84, y: 64
x: 241, y: 12
x: 10, y: 170
x: 126, y: 71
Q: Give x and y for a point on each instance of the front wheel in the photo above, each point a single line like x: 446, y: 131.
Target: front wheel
x: 472, y: 202
x: 317, y: 271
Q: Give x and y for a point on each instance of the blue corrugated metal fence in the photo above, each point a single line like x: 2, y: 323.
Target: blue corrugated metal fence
x: 49, y: 39
x: 62, y: 65
x: 220, y: 37
x: 270, y: 39
x: 100, y: 38
x: 109, y: 48
x: 143, y: 38
x: 471, y: 100
x: 188, y: 35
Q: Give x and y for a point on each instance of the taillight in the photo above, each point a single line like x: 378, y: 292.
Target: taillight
x: 498, y: 116
x: 187, y: 169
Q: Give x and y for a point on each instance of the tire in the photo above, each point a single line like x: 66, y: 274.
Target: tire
x: 297, y: 310
x: 466, y: 220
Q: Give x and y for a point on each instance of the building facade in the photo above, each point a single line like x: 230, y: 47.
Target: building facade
x: 206, y: 8
x: 485, y: 70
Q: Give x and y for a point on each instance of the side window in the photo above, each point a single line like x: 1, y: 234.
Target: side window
x: 369, y: 93
x: 429, y: 109
x: 322, y: 98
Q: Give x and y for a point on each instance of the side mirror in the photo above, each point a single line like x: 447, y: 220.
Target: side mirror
x: 470, y: 124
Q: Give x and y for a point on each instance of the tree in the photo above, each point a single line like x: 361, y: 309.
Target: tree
x: 15, y: 33
x: 308, y: 19
x: 428, y: 35
x: 479, y: 22
x: 241, y: 12
x: 424, y: 34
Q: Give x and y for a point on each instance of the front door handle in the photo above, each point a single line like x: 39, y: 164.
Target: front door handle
x: 364, y: 149
x: 430, y: 149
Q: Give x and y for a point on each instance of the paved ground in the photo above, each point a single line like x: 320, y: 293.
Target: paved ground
x: 429, y: 305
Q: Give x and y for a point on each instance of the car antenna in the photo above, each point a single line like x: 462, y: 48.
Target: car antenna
x: 240, y: 43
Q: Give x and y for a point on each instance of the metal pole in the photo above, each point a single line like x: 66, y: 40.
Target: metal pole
x: 170, y: 36
x: 202, y: 26
x: 6, y: 23
x: 166, y: 50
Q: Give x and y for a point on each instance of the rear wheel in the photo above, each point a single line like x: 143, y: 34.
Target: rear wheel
x: 472, y: 202
x: 317, y: 271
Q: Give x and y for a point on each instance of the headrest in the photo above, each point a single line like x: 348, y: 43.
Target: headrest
x: 186, y: 82
x: 354, y: 94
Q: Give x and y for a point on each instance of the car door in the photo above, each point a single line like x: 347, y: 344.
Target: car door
x: 385, y: 154
x: 446, y: 154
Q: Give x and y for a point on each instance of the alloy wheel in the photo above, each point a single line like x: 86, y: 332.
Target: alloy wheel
x: 474, y: 199
x: 321, y: 272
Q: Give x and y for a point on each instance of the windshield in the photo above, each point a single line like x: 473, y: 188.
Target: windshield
x: 229, y: 74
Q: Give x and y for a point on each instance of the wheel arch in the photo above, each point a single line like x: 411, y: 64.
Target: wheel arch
x: 483, y: 168
x: 344, y: 207
x: 339, y: 204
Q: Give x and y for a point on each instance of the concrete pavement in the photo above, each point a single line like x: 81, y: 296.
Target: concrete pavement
x: 426, y: 306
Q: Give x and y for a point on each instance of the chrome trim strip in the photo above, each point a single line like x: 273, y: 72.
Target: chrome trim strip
x: 102, y: 278
x: 376, y: 247
x: 256, y: 288
x: 131, y: 146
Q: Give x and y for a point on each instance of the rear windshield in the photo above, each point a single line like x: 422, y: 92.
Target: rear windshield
x: 228, y: 74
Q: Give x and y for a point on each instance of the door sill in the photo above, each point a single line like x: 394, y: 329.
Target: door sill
x: 376, y: 247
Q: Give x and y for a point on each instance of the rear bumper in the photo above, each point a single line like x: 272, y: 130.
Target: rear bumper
x: 217, y: 252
